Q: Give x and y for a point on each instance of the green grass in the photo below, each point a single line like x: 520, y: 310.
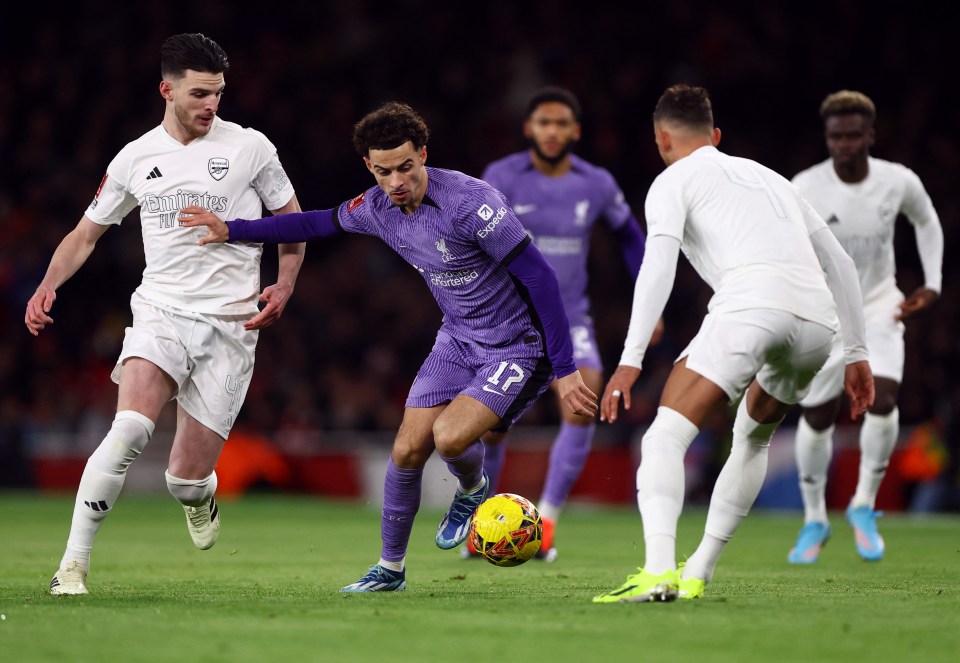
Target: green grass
x: 268, y: 592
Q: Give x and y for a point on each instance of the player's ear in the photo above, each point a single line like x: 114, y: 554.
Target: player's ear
x: 715, y: 137
x: 166, y: 90
x: 527, y: 130
x: 368, y: 164
x: 663, y: 139
x: 423, y: 155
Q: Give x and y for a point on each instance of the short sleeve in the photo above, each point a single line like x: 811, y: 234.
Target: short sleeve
x: 486, y: 217
x: 353, y: 216
x: 615, y: 210
x: 113, y: 201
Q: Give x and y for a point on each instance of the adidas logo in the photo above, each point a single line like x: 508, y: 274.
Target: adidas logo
x: 98, y: 506
x: 833, y: 219
x: 155, y: 173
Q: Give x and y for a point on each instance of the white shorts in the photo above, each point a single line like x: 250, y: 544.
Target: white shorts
x: 886, y: 348
x: 210, y: 357
x: 782, y: 351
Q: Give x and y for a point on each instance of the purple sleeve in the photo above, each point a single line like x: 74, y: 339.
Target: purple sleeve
x: 632, y: 242
x: 540, y: 280
x: 285, y: 228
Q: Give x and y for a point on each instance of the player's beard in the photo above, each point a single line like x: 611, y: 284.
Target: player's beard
x: 189, y: 123
x: 560, y: 156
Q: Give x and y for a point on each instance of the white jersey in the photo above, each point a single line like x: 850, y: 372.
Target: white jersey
x: 233, y: 172
x: 862, y: 216
x: 745, y: 229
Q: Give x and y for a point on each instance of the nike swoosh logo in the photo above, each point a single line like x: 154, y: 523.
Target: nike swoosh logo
x: 493, y: 391
x: 523, y: 209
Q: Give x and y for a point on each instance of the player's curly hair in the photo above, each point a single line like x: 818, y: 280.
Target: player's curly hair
x: 848, y: 102
x: 687, y: 105
x: 191, y: 51
x: 390, y: 126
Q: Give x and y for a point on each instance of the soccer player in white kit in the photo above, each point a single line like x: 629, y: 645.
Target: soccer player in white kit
x: 770, y: 325
x: 860, y: 197
x: 195, y: 313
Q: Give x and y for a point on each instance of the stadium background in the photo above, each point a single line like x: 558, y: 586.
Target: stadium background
x: 332, y: 374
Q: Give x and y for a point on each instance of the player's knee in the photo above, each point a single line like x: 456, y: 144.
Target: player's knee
x: 410, y: 453
x: 883, y: 404
x: 127, y: 438
x: 449, y: 438
x: 820, y: 418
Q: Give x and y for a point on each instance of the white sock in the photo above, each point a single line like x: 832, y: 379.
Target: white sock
x: 736, y: 490
x: 393, y: 566
x: 814, y: 451
x: 878, y: 437
x: 102, y: 481
x: 192, y: 492
x: 549, y: 511
x: 661, y: 486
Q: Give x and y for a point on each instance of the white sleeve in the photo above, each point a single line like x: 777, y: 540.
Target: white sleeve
x: 919, y: 210
x: 650, y: 295
x: 930, y: 247
x: 844, y: 284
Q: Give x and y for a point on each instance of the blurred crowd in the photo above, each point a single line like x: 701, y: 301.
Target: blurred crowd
x: 79, y: 87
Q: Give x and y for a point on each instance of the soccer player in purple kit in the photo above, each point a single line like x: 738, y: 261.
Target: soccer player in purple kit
x: 504, y: 334
x: 559, y: 198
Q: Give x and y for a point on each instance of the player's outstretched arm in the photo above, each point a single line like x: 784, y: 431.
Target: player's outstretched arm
x: 618, y: 386
x: 858, y: 383
x: 70, y: 255
x: 576, y: 395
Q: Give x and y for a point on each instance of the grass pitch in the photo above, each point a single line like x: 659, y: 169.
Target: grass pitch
x: 268, y: 591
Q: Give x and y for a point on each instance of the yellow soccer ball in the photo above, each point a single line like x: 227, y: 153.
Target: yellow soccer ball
x: 506, y: 530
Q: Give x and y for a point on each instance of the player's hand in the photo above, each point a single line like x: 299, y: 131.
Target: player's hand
x: 919, y: 300
x: 193, y: 216
x: 858, y: 383
x: 576, y: 395
x: 618, y: 386
x: 276, y: 297
x: 38, y: 307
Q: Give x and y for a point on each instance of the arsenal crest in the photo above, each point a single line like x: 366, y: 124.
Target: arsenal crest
x: 218, y: 167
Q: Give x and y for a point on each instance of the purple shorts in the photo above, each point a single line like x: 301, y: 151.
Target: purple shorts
x: 508, y: 380
x: 584, y: 339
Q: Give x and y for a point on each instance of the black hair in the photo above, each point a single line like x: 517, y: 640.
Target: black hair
x: 687, y: 105
x: 554, y: 93
x: 192, y: 51
x: 390, y: 126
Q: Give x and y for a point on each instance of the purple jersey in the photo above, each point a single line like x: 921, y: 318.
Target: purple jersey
x: 559, y: 213
x: 459, y: 239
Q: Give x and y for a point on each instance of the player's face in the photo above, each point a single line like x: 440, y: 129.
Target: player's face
x: 196, y: 98
x: 552, y: 130
x: 849, y: 139
x: 400, y: 172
